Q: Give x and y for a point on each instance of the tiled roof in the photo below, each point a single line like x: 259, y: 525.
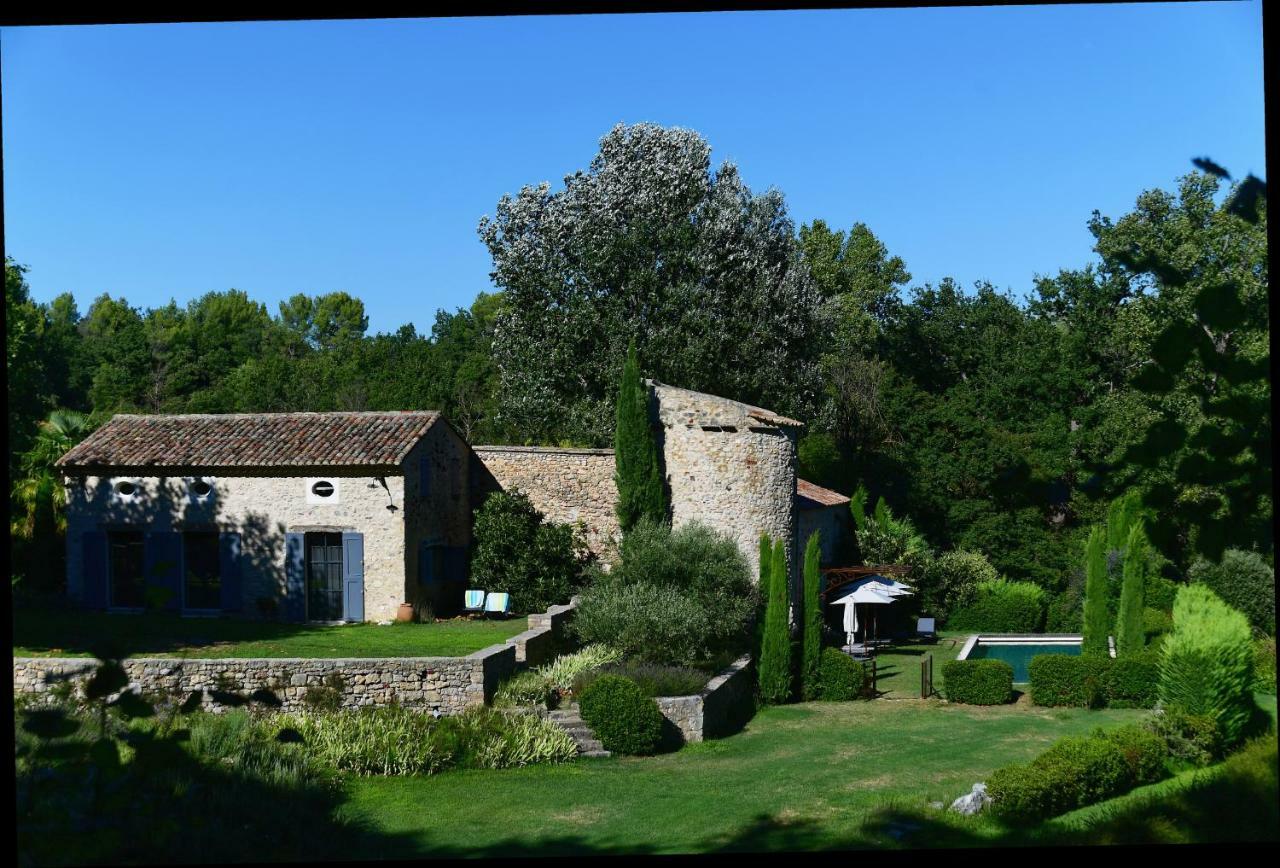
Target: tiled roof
x: 251, y: 440
x: 816, y: 495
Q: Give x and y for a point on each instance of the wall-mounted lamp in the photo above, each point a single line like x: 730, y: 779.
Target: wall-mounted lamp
x: 382, y: 480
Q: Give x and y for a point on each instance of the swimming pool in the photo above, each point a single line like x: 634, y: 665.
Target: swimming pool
x: 1017, y: 651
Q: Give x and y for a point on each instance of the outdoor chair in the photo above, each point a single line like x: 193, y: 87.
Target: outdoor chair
x: 473, y: 601
x: 497, y: 604
x: 925, y: 630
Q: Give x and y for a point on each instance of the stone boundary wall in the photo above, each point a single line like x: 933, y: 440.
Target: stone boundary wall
x: 545, y: 635
x: 442, y: 685
x: 567, y: 485
x: 718, y: 709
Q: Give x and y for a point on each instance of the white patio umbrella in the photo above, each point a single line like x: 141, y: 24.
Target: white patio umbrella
x: 851, y: 598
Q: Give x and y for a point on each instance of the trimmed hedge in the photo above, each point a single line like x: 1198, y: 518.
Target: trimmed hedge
x: 1002, y: 606
x: 1132, y: 682
x: 622, y: 717
x: 978, y: 682
x: 1144, y: 752
x: 1063, y: 679
x: 840, y: 677
x: 1074, y: 772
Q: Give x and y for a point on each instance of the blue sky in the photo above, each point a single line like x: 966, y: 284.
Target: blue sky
x: 164, y: 161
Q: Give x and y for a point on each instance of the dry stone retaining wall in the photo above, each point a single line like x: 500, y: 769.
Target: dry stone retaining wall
x: 718, y: 709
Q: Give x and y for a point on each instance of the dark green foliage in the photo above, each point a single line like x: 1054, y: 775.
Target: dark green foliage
x: 1073, y: 773
x: 1244, y: 581
x: 1189, y: 738
x: 811, y: 623
x: 1206, y: 663
x: 978, y: 682
x: 682, y: 597
x: 1122, y: 514
x: 775, y: 650
x: 840, y: 677
x: 1155, y: 622
x: 1065, y: 679
x: 1097, y: 620
x: 950, y: 582
x: 515, y: 551
x: 652, y: 678
x: 1002, y: 606
x: 622, y: 717
x: 1159, y: 592
x: 638, y: 476
x: 1130, y: 637
x: 1144, y: 752
x: 1264, y: 665
x: 766, y: 568
x: 1132, y: 682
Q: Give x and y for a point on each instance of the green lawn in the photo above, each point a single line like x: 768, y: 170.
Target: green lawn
x: 898, y: 667
x: 808, y: 776
x: 48, y: 633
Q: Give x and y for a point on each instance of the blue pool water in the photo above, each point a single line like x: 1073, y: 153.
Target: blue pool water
x: 1019, y: 655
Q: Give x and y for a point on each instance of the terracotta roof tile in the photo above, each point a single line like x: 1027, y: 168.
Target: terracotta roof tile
x: 817, y: 495
x: 251, y: 440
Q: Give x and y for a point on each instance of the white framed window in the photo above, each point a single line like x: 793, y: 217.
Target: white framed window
x: 322, y: 489
x: 201, y: 488
x: 125, y: 489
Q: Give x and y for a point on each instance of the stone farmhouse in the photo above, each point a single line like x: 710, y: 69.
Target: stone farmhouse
x: 343, y: 516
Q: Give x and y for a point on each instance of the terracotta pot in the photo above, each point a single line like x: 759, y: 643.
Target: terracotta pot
x: 405, y: 612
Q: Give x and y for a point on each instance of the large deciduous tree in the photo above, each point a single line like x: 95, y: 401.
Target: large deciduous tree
x: 647, y: 244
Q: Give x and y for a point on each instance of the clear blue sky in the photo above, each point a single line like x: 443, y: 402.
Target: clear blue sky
x: 160, y: 161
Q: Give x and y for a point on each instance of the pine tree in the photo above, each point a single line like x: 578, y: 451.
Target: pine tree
x: 1130, y: 636
x: 637, y: 474
x: 1096, y: 618
x: 775, y: 653
x: 812, y: 624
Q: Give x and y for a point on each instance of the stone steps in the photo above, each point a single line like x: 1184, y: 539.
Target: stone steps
x: 570, y: 720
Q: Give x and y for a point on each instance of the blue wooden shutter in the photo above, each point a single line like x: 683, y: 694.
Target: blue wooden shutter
x: 162, y: 565
x: 229, y: 571
x: 295, y: 578
x: 455, y: 564
x: 94, y: 573
x: 353, y: 577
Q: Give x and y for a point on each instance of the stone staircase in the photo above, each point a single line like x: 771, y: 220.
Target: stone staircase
x: 568, y: 719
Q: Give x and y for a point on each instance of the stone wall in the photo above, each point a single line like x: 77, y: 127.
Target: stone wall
x: 567, y: 485
x: 730, y: 466
x: 719, y: 709
x: 443, y: 685
x: 546, y: 634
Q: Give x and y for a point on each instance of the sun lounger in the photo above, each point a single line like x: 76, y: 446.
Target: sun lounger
x: 473, y: 601
x: 497, y: 604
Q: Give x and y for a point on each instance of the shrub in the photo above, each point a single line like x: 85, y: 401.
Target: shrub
x: 493, y: 739
x: 679, y: 597
x: 1206, y: 663
x: 1159, y: 592
x: 978, y: 682
x: 1131, y: 682
x: 950, y: 582
x: 1264, y: 665
x: 1190, y: 738
x: 1155, y: 622
x: 1002, y: 606
x: 840, y: 677
x: 1065, y: 679
x: 326, y: 696
x: 1066, y: 613
x: 622, y: 717
x: 775, y: 650
x: 529, y: 687
x: 1144, y: 752
x: 653, y: 679
x: 547, y: 684
x: 1243, y: 581
x: 515, y: 551
x: 1074, y: 772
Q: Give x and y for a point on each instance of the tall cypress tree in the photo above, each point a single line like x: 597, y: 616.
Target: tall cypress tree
x: 1130, y: 636
x: 1121, y: 515
x: 1096, y: 619
x: 812, y: 622
x: 775, y: 651
x: 637, y: 473
x: 766, y: 569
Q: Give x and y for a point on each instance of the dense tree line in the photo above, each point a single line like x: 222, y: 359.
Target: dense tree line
x: 997, y: 424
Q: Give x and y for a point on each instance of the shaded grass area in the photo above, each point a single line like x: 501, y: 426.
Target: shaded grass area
x: 808, y: 776
x: 41, y: 632
x: 898, y: 667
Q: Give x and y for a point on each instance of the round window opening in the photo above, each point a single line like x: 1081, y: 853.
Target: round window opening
x: 201, y: 488
x: 323, y: 488
x: 125, y: 489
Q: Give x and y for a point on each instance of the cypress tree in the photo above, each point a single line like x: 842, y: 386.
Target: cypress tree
x: 775, y: 651
x: 1096, y: 619
x: 858, y: 506
x: 1121, y: 515
x: 637, y: 473
x: 1130, y: 636
x: 766, y: 565
x: 812, y: 624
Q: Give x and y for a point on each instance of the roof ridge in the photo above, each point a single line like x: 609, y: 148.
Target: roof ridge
x: 275, y: 413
